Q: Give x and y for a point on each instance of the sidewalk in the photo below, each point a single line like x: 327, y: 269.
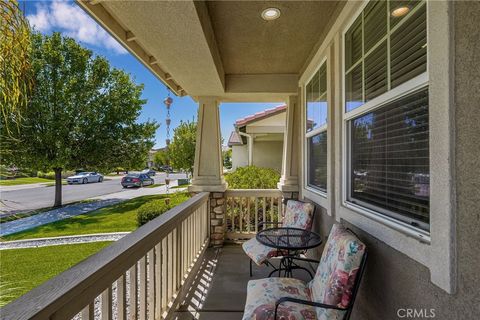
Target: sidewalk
x: 77, y: 209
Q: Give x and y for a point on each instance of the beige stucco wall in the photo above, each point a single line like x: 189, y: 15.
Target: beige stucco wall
x: 393, y: 280
x: 268, y: 154
x: 239, y: 156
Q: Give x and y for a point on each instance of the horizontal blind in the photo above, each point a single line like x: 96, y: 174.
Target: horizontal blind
x: 317, y: 99
x: 353, y: 43
x: 317, y: 161
x: 390, y: 159
x: 376, y: 81
x: 408, y: 48
x: 381, y: 46
x: 375, y: 23
x: 353, y: 88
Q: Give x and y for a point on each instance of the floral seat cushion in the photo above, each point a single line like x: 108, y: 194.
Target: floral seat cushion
x: 332, y: 284
x: 337, y: 271
x: 259, y: 252
x: 263, y: 293
x: 297, y: 215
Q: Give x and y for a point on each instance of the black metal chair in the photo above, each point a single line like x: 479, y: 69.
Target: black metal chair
x: 348, y: 309
x: 262, y: 253
x: 333, y: 288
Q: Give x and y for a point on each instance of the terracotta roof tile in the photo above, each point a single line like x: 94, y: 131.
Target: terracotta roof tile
x: 260, y: 115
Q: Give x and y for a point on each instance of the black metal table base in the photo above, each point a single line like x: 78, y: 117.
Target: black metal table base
x: 287, y: 265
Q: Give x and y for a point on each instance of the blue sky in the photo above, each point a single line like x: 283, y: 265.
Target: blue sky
x: 67, y: 18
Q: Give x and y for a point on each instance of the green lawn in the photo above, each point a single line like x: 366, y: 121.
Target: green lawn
x: 155, y: 185
x: 23, y: 269
x: 116, y: 218
x: 14, y: 182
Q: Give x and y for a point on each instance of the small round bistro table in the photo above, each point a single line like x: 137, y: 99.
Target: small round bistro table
x: 290, y: 242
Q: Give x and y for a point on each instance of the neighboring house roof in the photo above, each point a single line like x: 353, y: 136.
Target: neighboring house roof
x: 235, y: 139
x: 260, y: 115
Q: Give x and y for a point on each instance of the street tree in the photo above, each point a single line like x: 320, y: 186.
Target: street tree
x: 16, y: 79
x: 160, y: 158
x: 82, y: 113
x: 182, y: 149
x: 227, y: 158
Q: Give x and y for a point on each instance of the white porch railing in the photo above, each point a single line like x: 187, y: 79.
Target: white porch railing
x: 138, y: 277
x: 246, y: 208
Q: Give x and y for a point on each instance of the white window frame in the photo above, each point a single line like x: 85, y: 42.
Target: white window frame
x: 412, y: 85
x: 436, y: 250
x: 315, y: 194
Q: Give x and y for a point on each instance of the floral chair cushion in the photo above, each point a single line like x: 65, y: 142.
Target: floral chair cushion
x: 336, y: 273
x: 298, y: 215
x: 263, y: 293
x: 258, y: 252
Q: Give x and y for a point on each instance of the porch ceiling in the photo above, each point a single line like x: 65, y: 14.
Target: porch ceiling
x: 219, y: 48
x: 250, y: 45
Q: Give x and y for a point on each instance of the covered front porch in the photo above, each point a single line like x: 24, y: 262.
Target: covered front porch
x: 222, y: 51
x: 168, y: 268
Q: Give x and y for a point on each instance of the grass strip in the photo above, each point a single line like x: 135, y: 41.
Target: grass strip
x: 24, y: 269
x: 19, y: 181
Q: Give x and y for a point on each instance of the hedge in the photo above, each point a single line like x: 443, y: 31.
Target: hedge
x: 155, y: 208
x: 252, y: 177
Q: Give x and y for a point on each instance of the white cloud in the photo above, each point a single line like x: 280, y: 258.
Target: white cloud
x: 68, y: 18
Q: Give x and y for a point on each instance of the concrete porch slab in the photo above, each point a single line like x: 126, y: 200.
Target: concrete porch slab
x: 219, y: 290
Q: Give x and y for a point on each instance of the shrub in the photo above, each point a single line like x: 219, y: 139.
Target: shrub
x: 252, y: 177
x: 51, y: 175
x: 155, y: 208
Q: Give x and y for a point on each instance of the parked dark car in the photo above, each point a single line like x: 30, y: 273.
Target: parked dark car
x: 166, y: 168
x: 149, y: 172
x: 136, y: 180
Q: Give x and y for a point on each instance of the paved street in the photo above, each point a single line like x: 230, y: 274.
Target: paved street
x: 39, y: 197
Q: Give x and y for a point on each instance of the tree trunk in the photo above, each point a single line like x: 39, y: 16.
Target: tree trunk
x: 58, y: 187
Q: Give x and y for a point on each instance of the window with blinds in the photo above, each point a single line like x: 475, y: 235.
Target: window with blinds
x: 317, y: 159
x: 316, y: 91
x: 384, y: 47
x: 389, y: 159
x: 316, y: 129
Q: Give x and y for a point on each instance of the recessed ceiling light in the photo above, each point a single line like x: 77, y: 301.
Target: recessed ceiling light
x: 270, y: 14
x: 400, y: 11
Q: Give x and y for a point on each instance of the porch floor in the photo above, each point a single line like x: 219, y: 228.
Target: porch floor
x: 219, y: 290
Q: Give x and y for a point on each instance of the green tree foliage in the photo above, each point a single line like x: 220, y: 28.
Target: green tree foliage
x: 252, y: 177
x: 227, y: 158
x: 160, y: 158
x: 82, y: 113
x: 16, y: 79
x: 182, y: 148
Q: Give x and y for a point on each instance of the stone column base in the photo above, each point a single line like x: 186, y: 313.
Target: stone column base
x: 217, y: 219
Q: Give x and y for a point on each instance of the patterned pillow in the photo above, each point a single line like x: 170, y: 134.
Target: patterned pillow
x: 298, y: 215
x: 337, y: 271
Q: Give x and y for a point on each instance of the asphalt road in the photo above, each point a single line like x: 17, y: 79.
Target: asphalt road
x: 43, y: 196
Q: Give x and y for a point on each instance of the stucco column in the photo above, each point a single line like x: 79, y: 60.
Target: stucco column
x: 208, y: 167
x: 291, y: 149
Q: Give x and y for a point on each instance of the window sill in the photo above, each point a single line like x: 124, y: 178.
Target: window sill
x: 406, y: 229
x: 319, y: 197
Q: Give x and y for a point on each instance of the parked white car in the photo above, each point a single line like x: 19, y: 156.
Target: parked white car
x: 85, y: 177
